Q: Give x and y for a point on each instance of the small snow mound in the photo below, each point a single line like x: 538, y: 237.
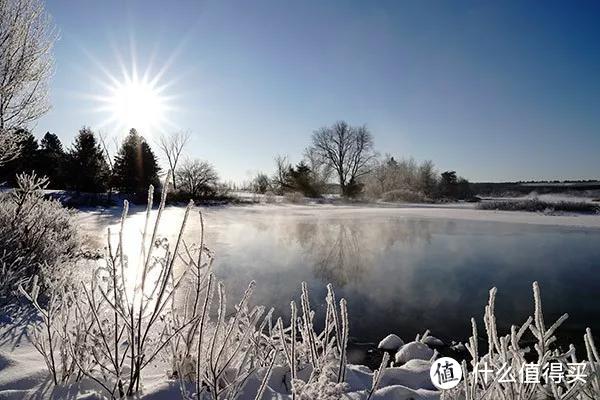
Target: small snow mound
x: 414, y: 375
x: 391, y: 343
x: 397, y: 392
x: 432, y: 341
x: 413, y: 350
x: 358, y: 377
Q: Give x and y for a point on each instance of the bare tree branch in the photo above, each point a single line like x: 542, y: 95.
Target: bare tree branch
x: 172, y: 146
x: 345, y: 149
x: 197, y: 178
x: 27, y: 37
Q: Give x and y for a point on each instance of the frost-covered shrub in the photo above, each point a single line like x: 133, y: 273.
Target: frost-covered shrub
x: 270, y: 197
x: 404, y: 195
x: 62, y: 337
x: 34, y: 231
x: 294, y: 197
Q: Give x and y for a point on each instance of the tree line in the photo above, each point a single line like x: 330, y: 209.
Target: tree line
x: 345, y: 154
x: 340, y: 158
x: 88, y: 167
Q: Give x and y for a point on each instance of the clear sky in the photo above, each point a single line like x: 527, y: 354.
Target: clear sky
x: 496, y: 90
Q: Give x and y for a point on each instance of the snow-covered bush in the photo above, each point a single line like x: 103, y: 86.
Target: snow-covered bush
x: 35, y: 233
x: 389, y: 175
x: 403, y: 195
x: 294, y: 197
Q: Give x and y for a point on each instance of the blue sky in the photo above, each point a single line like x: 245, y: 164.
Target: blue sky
x: 494, y: 90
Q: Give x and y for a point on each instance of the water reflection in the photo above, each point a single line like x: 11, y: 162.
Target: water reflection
x: 343, y: 251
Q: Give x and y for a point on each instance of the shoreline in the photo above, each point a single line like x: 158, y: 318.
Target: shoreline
x: 460, y: 211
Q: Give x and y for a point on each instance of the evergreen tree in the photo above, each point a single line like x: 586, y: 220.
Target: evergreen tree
x: 301, y: 179
x: 135, y: 165
x: 27, y: 161
x: 448, y: 184
x: 88, y: 170
x: 52, y: 160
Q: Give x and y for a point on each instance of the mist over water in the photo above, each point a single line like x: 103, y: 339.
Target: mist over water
x: 400, y: 273
x: 404, y: 275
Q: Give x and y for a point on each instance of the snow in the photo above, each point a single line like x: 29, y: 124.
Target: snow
x: 413, y: 351
x: 391, y: 343
x: 414, y: 374
x: 399, y: 392
x: 23, y: 375
x: 432, y: 341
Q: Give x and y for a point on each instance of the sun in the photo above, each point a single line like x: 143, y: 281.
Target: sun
x: 130, y: 99
x: 134, y: 92
x: 137, y: 103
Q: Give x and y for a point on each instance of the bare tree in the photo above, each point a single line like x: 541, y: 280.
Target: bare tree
x: 197, y: 178
x: 26, y: 40
x: 346, y: 149
x: 171, y: 146
x: 27, y: 37
x: 280, y: 176
x: 320, y: 169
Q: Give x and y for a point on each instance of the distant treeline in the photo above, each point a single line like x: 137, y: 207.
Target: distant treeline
x: 541, y: 187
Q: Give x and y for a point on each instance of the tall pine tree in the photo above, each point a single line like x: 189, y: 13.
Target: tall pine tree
x: 52, y: 160
x: 88, y: 170
x: 135, y: 167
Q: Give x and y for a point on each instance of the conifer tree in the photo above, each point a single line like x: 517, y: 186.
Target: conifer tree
x: 135, y: 166
x: 88, y: 170
x: 52, y: 160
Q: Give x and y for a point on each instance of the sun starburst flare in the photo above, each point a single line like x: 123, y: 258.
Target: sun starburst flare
x: 133, y: 100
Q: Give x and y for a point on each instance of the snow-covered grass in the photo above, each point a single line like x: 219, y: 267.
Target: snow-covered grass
x: 315, y: 373
x: 509, y: 353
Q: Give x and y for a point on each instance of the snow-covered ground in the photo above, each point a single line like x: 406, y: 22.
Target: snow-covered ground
x: 553, y: 197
